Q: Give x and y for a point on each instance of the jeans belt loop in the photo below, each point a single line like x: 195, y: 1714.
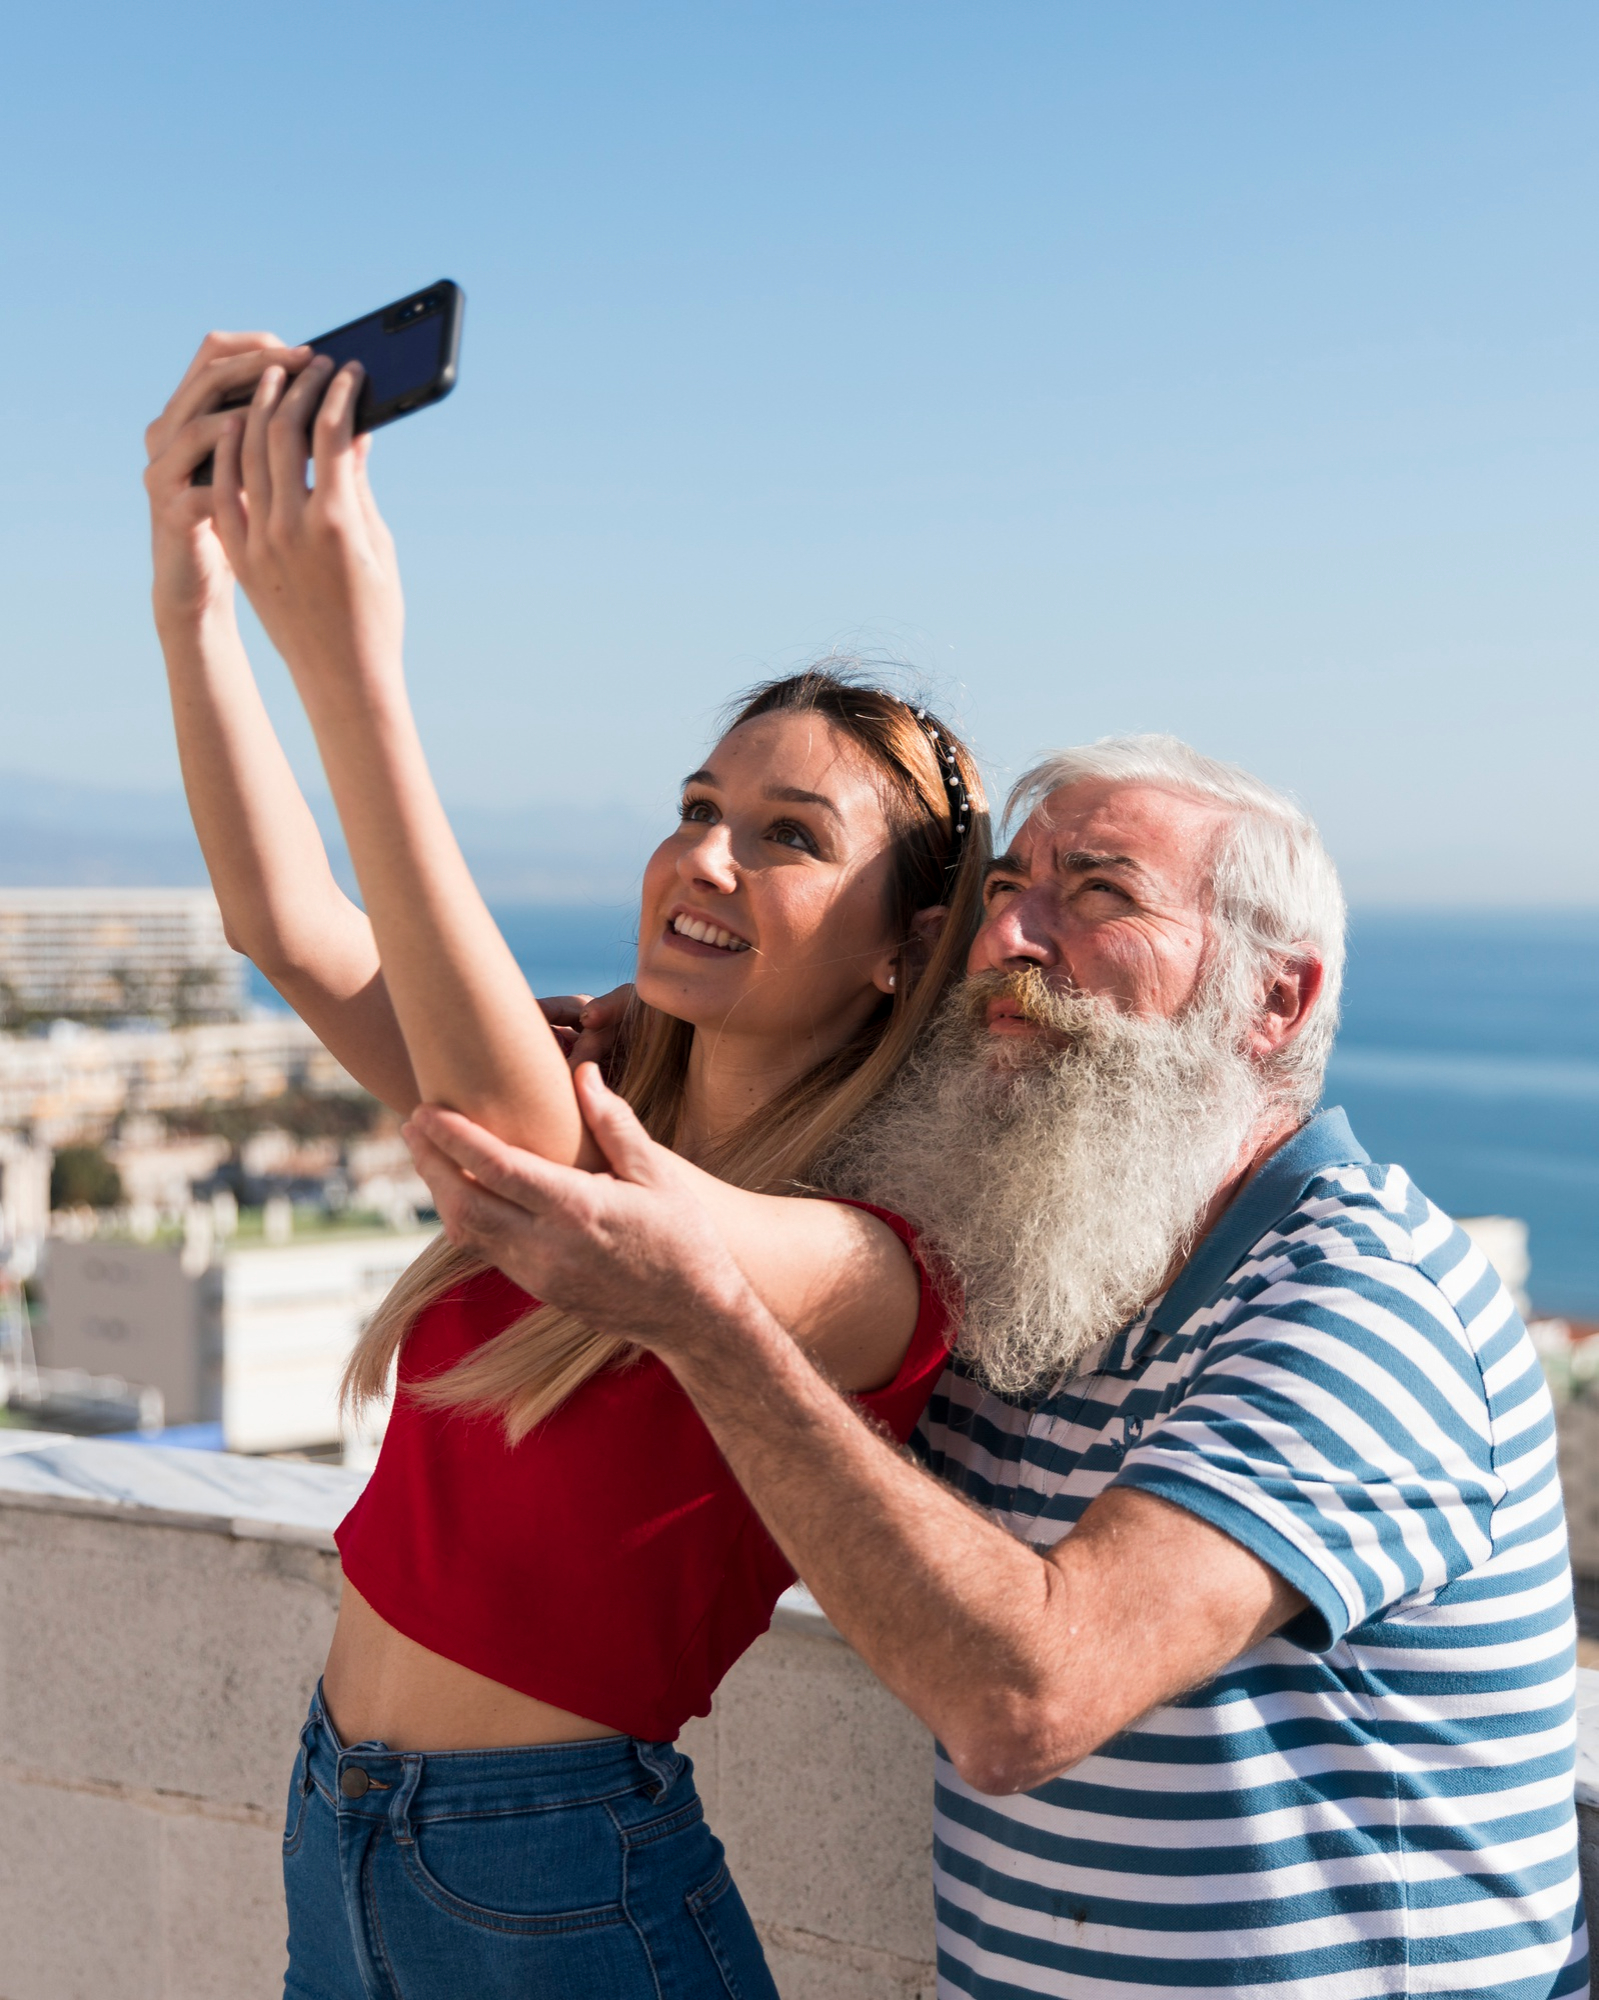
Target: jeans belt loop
x: 308, y: 1733
x: 663, y: 1763
x: 400, y: 1804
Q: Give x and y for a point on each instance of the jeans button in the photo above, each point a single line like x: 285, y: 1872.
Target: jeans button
x: 354, y: 1782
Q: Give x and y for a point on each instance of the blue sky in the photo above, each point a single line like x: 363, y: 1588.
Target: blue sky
x: 1223, y: 368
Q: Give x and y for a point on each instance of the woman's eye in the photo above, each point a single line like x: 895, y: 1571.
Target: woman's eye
x: 790, y: 834
x: 701, y: 811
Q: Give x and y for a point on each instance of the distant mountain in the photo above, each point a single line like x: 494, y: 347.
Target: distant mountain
x: 55, y: 834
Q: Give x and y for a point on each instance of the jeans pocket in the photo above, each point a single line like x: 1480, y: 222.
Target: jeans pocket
x: 730, y: 1937
x: 526, y: 1873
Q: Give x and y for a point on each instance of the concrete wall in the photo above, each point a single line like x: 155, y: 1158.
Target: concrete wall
x: 161, y: 1630
x: 821, y: 1787
x: 149, y: 1677
x: 163, y: 1617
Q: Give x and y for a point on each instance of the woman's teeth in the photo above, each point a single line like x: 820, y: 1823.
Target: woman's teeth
x: 704, y: 933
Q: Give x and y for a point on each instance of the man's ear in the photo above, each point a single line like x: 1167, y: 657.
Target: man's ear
x: 1288, y: 1002
x: 910, y: 960
x: 926, y: 926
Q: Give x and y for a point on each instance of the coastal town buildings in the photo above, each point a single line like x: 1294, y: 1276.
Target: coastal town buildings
x: 72, y: 1081
x: 109, y: 953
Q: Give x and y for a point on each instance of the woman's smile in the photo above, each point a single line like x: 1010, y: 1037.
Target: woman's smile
x: 703, y: 937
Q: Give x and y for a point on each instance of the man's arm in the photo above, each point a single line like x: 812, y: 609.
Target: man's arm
x: 1020, y: 1662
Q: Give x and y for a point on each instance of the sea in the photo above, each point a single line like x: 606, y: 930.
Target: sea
x: 1469, y: 1053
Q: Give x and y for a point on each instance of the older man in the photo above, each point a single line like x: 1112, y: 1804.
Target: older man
x: 1233, y: 1584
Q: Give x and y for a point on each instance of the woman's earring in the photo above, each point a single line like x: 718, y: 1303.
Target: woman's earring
x: 891, y: 979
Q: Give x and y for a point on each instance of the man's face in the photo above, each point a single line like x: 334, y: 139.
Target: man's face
x: 1103, y: 890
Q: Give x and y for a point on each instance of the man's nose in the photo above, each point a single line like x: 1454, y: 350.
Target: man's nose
x: 1017, y: 933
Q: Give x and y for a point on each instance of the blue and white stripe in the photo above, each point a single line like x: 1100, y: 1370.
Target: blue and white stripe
x: 1378, y: 1800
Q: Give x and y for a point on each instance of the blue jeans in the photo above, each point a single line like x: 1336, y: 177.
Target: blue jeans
x: 584, y: 1871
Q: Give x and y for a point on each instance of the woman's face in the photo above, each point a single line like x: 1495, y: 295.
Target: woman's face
x: 766, y: 912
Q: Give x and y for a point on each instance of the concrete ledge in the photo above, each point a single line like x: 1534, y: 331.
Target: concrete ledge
x: 164, y: 1615
x: 163, y: 1619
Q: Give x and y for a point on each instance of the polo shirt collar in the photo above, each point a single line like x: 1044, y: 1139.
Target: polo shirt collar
x: 1274, y: 1192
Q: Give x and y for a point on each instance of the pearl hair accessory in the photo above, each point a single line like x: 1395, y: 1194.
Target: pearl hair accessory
x: 959, y: 805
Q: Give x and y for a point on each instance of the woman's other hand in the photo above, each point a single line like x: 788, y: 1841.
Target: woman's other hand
x: 587, y: 1029
x: 192, y: 573
x: 316, y: 561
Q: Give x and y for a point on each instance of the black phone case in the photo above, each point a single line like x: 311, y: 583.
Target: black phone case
x: 371, y: 416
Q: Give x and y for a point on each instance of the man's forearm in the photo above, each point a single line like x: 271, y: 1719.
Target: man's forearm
x: 948, y: 1610
x: 1020, y: 1662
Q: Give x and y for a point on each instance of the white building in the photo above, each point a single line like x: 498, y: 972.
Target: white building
x: 257, y: 1338
x: 117, y: 951
x: 24, y: 1191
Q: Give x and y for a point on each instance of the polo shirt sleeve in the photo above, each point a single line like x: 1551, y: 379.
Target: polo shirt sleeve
x: 1339, y: 1429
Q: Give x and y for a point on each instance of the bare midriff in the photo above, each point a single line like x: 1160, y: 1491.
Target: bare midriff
x: 381, y: 1687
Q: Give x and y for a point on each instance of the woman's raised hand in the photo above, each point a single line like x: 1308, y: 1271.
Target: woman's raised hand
x: 192, y: 573
x: 316, y: 561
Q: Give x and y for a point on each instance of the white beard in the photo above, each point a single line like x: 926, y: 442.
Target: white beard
x: 1058, y: 1179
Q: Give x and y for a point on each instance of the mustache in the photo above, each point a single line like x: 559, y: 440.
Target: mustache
x: 1066, y: 1013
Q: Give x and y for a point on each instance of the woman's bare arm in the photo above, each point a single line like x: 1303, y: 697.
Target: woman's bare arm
x: 318, y: 565
x: 281, y: 906
x: 280, y: 903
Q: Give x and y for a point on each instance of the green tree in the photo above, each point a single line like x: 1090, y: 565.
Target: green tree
x: 307, y: 1114
x: 82, y: 1177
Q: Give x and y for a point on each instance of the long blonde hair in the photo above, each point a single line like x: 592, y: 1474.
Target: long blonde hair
x: 529, y: 1369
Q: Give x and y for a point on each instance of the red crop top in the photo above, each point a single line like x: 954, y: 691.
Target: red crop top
x: 609, y: 1563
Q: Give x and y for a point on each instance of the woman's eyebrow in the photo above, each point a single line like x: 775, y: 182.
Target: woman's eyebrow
x: 791, y: 795
x: 788, y: 795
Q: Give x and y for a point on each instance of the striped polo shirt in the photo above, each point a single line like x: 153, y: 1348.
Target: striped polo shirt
x: 1378, y: 1799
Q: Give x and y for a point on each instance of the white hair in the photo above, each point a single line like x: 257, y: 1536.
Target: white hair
x: 1274, y: 892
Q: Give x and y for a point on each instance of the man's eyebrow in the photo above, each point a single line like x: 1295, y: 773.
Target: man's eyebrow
x: 1005, y: 864
x: 1080, y: 862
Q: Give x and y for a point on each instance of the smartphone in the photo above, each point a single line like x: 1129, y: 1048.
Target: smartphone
x: 409, y: 350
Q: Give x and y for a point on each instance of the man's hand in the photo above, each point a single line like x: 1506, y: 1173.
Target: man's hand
x: 631, y: 1249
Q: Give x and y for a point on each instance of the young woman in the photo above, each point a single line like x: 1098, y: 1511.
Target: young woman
x: 551, y: 1568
